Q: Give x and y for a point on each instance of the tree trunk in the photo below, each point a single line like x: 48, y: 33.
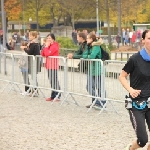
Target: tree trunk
x: 119, y: 16
x: 37, y: 15
x: 108, y: 21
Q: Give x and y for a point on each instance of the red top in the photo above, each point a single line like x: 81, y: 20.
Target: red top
x: 133, y: 38
x: 52, y: 50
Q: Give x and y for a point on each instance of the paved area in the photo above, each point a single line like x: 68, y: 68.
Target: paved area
x: 34, y: 124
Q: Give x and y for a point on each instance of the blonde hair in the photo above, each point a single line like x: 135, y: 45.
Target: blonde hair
x: 44, y: 40
x: 24, y: 43
x: 33, y: 33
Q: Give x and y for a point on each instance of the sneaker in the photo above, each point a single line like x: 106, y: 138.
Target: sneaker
x: 56, y: 100
x: 88, y: 106
x: 128, y: 147
x: 25, y: 93
x: 49, y: 99
x: 97, y: 106
x: 94, y: 106
x: 35, y: 95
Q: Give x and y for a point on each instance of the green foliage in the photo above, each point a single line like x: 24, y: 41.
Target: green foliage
x: 66, y: 46
x: 66, y: 42
x: 64, y: 51
x: 108, y: 48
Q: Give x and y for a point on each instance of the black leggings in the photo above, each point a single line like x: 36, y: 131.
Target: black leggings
x: 53, y: 77
x: 138, y: 118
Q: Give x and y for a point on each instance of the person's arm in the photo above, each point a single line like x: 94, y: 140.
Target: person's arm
x: 42, y: 52
x: 50, y: 51
x: 123, y: 79
x: 29, y: 51
x: 95, y: 52
x: 85, y: 54
x: 127, y: 69
x: 78, y: 53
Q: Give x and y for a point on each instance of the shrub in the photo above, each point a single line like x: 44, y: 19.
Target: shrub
x: 66, y: 42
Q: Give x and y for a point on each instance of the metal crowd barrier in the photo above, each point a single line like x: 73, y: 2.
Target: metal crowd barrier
x: 87, y: 81
x: 113, y: 88
x: 91, y: 79
x: 23, y: 71
x: 51, y: 77
x: 13, y: 74
x: 6, y: 69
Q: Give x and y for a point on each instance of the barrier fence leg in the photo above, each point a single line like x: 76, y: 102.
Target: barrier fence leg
x: 74, y: 100
x: 65, y: 99
x: 103, y: 107
x: 113, y: 107
x: 41, y: 93
x: 18, y: 88
x: 5, y: 87
x: 11, y: 88
x: 92, y: 105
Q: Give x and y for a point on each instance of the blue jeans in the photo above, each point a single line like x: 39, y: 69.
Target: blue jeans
x: 94, y: 87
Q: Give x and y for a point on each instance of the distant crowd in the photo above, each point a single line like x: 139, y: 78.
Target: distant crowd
x: 127, y: 37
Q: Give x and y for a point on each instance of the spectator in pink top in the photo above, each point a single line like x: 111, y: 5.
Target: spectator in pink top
x: 52, y: 49
x: 133, y: 39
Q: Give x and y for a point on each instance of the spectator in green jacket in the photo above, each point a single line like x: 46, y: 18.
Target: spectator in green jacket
x: 94, y: 69
x: 81, y: 37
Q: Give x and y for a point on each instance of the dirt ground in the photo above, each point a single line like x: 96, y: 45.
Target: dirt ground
x: 125, y: 49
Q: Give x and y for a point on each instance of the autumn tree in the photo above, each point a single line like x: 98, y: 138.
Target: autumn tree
x: 37, y: 11
x: 69, y: 12
x: 13, y: 9
x: 75, y: 10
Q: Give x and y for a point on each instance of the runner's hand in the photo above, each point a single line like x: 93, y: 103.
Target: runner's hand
x: 134, y: 93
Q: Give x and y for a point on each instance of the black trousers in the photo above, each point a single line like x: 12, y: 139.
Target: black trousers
x: 138, y: 118
x: 53, y: 78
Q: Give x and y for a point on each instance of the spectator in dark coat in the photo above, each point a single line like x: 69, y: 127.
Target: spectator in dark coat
x: 33, y: 48
x: 118, y: 40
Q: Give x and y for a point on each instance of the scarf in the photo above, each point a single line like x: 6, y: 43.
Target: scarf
x: 144, y: 55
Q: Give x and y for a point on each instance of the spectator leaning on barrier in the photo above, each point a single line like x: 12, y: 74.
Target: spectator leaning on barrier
x: 138, y: 101
x: 33, y: 48
x: 52, y: 49
x: 81, y: 37
x: 94, y: 72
